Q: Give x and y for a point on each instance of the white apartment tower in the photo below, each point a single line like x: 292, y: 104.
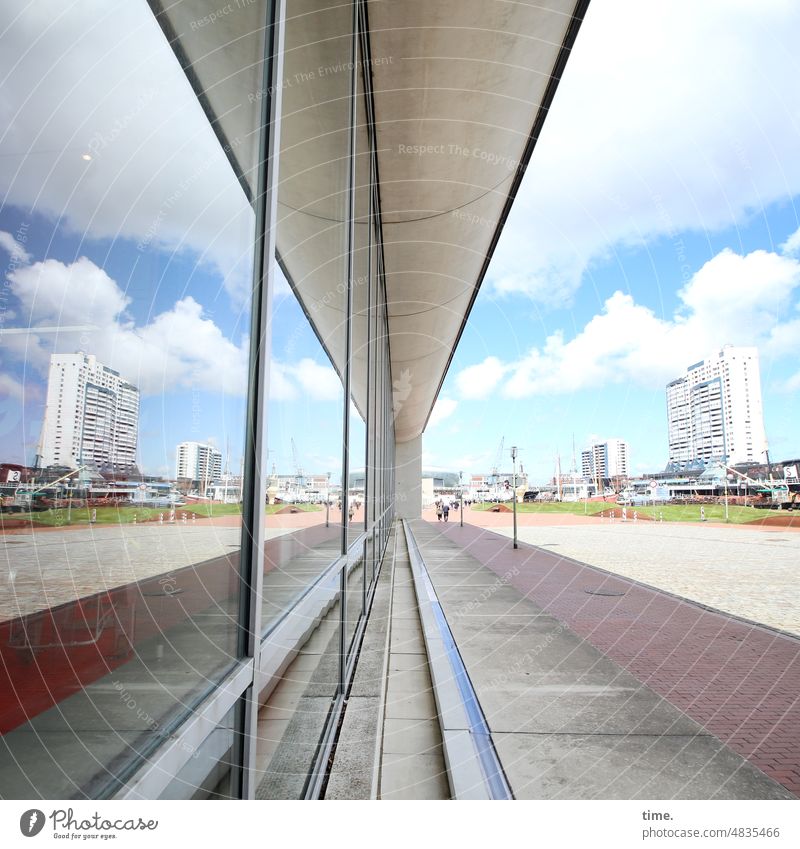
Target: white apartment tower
x: 605, y: 460
x: 715, y: 411
x: 91, y: 416
x: 198, y: 462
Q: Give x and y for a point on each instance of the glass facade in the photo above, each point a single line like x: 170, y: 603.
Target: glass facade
x: 192, y: 237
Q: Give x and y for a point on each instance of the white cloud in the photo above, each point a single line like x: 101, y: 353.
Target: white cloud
x: 792, y: 245
x: 319, y: 382
x: 792, y: 384
x: 102, y: 81
x: 732, y: 299
x: 479, y: 381
x: 442, y: 409
x: 79, y: 293
x: 11, y: 388
x: 307, y: 379
x: 178, y: 348
x: 690, y: 125
x: 281, y: 387
x: 13, y: 248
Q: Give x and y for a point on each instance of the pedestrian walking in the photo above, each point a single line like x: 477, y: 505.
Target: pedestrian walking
x: 446, y: 510
x: 439, y: 510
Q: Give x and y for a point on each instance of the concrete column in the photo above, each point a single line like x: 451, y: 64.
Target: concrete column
x: 408, y: 479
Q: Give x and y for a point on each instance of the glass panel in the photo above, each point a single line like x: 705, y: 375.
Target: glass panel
x: 306, y: 403
x: 359, y: 395
x: 304, y: 527
x: 126, y: 321
x: 210, y: 772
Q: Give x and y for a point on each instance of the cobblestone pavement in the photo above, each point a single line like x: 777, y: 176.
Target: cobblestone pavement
x: 41, y: 570
x: 45, y: 567
x: 738, y: 680
x: 750, y: 573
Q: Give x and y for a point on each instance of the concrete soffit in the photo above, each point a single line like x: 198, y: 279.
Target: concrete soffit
x: 460, y: 92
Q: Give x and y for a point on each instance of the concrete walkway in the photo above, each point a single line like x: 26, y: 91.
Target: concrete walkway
x: 389, y: 745
x: 567, y: 720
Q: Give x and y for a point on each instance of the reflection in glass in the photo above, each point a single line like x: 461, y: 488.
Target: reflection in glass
x: 306, y: 411
x: 125, y: 336
x: 308, y: 322
x: 361, y: 292
x: 210, y: 771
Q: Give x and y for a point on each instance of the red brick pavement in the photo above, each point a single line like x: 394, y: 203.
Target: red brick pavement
x: 740, y: 681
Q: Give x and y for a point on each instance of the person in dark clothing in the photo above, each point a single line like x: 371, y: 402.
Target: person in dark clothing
x: 446, y: 510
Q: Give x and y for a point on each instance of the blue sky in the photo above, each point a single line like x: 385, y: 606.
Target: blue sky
x: 658, y: 220
x: 543, y: 424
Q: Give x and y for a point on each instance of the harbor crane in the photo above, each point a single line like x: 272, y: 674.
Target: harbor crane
x: 494, y: 478
x: 298, y: 470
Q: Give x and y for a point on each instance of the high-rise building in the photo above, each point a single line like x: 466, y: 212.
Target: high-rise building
x: 715, y: 410
x: 198, y: 462
x: 605, y: 460
x: 91, y: 416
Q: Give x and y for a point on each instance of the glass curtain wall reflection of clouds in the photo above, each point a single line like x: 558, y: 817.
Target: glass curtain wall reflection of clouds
x: 140, y: 625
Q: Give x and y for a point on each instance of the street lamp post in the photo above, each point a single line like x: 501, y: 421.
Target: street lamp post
x: 514, y: 490
x: 461, y: 493
x: 328, y: 503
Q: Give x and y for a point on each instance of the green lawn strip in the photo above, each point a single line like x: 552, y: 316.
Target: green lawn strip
x: 552, y: 507
x: 669, y: 512
x: 713, y: 513
x: 304, y: 508
x: 116, y: 515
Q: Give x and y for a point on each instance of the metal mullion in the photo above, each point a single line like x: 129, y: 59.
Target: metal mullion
x: 254, y: 486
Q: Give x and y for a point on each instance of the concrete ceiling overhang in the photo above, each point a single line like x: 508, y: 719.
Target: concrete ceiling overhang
x: 461, y: 89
